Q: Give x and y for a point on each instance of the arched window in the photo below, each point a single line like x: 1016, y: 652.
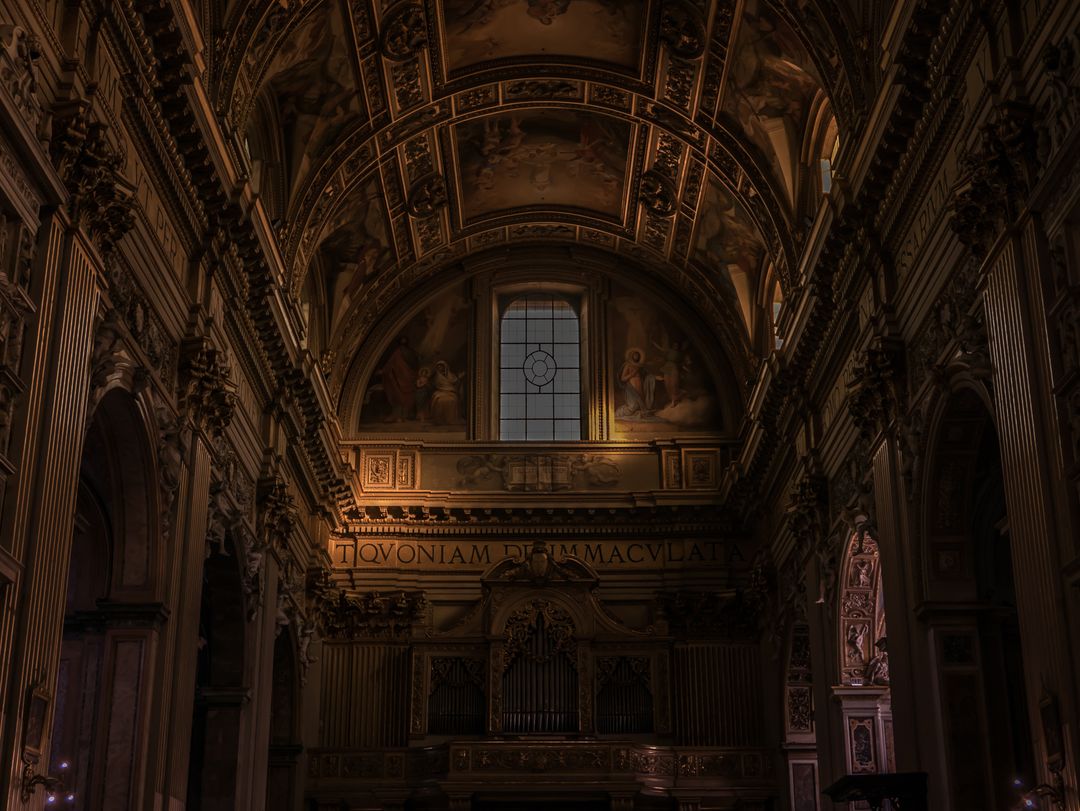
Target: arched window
x: 777, y: 309
x: 539, y: 369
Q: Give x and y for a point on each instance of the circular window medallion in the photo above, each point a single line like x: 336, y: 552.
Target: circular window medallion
x: 539, y: 368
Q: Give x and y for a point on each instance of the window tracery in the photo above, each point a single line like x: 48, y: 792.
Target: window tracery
x: 539, y: 369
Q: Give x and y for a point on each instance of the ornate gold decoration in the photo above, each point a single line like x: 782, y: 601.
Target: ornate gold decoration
x: 404, y: 33
x: 522, y: 624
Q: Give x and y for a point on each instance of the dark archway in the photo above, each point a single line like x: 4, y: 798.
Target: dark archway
x: 285, y: 748
x: 112, y: 615
x: 972, y: 610
x: 220, y: 693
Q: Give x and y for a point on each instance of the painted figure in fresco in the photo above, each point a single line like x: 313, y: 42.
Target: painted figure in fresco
x: 446, y: 396
x: 545, y: 11
x: 399, y: 381
x: 423, y: 393
x: 544, y: 153
x: 638, y: 385
x: 605, y: 30
x: 312, y: 78
x: 671, y: 369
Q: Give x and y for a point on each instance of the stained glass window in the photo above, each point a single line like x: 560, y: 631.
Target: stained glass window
x: 540, y: 370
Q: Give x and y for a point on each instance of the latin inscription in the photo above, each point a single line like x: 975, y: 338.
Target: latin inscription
x: 348, y: 553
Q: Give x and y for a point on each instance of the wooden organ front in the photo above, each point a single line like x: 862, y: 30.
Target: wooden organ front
x: 538, y: 683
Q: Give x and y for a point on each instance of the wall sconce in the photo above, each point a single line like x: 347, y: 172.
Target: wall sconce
x: 34, y: 724
x: 1055, y: 792
x: 53, y: 784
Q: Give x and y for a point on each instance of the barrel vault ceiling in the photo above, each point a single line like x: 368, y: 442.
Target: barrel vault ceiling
x: 388, y: 141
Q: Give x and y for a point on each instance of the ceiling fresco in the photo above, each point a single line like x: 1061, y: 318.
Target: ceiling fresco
x: 540, y: 159
x: 479, y: 31
x: 771, y: 86
x: 354, y: 249
x: 414, y: 134
x: 728, y: 240
x: 312, y: 80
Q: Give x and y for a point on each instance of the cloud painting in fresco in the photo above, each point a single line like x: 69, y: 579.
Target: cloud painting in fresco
x: 312, y: 80
x: 662, y: 386
x: 727, y: 238
x: 603, y: 30
x: 420, y: 384
x: 546, y: 158
x: 354, y: 249
x: 771, y: 84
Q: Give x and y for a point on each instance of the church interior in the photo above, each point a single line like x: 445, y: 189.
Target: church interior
x: 515, y: 405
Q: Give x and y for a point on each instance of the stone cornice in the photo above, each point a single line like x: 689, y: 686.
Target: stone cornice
x: 655, y: 521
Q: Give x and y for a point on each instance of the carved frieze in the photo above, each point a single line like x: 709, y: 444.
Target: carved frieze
x: 732, y: 615
x: 997, y: 174
x: 955, y: 324
x: 171, y: 450
x: 403, y: 33
x: 373, y: 615
x: 805, y: 511
x: 524, y: 622
x: 541, y: 759
x: 252, y: 551
x: 682, y: 29
x: 144, y: 325
x: 106, y: 353
x: 657, y: 194
x: 1060, y: 62
x: 540, y: 567
x: 872, y: 388
x: 278, y: 516
x: 16, y: 308
x: 539, y: 473
x: 207, y: 390
x: 859, y: 618
x: 19, y: 52
x: 90, y: 166
x: 446, y: 668
x: 800, y: 709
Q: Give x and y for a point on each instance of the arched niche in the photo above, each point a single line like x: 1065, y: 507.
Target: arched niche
x: 112, y: 621
x: 282, y: 763
x: 626, y: 318
x: 969, y: 613
x: 221, y: 688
